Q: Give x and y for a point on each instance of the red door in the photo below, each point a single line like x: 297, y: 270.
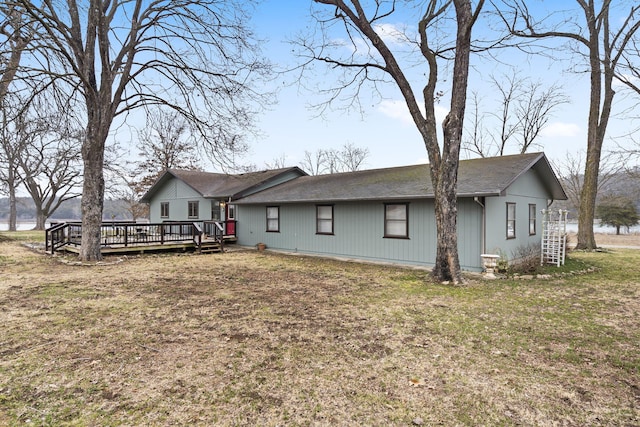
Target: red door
x: 230, y: 214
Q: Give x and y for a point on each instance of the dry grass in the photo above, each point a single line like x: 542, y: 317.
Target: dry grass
x: 613, y: 240
x: 260, y: 339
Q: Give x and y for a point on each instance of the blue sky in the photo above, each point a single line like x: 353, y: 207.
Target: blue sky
x: 289, y: 127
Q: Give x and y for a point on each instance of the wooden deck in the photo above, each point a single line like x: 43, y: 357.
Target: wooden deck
x: 140, y: 248
x: 123, y: 237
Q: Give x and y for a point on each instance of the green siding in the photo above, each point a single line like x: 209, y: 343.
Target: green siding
x: 178, y: 194
x: 526, y: 190
x: 358, y: 232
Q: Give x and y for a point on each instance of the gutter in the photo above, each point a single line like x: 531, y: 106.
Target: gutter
x: 484, y: 224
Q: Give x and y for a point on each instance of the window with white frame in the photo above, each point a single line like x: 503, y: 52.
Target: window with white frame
x: 193, y: 208
x: 532, y: 219
x: 396, y: 220
x: 511, y: 220
x: 324, y: 219
x: 273, y: 219
x: 164, y: 210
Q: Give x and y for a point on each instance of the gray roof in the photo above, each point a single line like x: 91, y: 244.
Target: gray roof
x: 219, y: 185
x: 476, y: 177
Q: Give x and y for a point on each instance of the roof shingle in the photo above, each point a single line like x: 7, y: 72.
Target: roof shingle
x: 476, y: 177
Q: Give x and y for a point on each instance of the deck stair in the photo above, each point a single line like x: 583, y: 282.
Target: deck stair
x: 554, y: 237
x: 209, y: 246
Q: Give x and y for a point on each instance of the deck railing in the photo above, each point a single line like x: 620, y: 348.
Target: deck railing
x: 125, y: 234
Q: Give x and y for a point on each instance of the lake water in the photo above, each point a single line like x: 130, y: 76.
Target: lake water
x: 572, y: 227
x: 4, y: 226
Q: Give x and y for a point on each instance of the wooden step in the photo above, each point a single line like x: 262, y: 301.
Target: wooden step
x: 210, y: 247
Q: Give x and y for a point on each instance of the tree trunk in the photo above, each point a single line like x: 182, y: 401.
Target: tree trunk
x: 92, y: 189
x: 41, y: 220
x: 600, y: 102
x: 586, y: 214
x: 445, y: 172
x: 13, y: 208
x: 447, y: 266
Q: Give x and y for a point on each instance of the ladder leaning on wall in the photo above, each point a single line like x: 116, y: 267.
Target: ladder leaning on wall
x: 554, y: 237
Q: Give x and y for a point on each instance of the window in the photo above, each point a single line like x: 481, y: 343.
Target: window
x: 215, y: 211
x: 396, y: 220
x: 164, y: 210
x: 324, y: 219
x: 511, y: 220
x: 273, y: 219
x: 532, y: 220
x: 231, y: 212
x: 192, y: 209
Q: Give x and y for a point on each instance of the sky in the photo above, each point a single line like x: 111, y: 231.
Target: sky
x: 289, y: 128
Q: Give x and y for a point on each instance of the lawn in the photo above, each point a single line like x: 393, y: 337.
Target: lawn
x: 248, y: 338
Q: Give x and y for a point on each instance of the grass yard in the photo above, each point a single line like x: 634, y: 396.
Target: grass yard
x: 248, y: 338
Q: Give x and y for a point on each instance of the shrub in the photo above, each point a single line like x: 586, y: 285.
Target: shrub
x: 526, y: 259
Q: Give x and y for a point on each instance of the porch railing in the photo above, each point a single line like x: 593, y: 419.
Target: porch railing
x: 125, y: 234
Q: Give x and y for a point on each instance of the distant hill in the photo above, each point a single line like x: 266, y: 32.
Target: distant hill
x: 622, y: 184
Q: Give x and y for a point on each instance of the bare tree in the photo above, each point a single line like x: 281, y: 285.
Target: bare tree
x: 571, y: 171
x: 11, y: 148
x: 376, y: 57
x: 352, y: 157
x: 16, y: 32
x: 196, y: 57
x: 524, y: 107
x: 130, y: 191
x: 278, y: 162
x: 592, y: 32
x: 478, y: 141
x: 313, y: 162
x: 348, y: 158
x: 49, y: 163
x: 164, y: 143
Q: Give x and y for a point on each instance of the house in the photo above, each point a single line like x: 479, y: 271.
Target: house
x: 383, y: 215
x: 189, y: 195
x: 387, y: 214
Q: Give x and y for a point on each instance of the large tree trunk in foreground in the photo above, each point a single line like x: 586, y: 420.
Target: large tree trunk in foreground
x: 447, y: 266
x: 93, y: 187
x: 586, y: 214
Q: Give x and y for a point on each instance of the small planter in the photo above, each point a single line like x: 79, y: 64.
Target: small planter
x: 490, y: 262
x: 261, y: 246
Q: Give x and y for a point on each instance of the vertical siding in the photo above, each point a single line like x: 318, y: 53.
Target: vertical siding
x: 526, y: 190
x: 469, y: 234
x: 358, y: 232
x: 178, y: 194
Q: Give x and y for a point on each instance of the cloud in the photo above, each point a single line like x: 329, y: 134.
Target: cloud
x: 560, y: 129
x: 391, y: 34
x: 397, y: 110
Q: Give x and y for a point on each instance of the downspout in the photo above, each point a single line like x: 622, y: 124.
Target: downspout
x: 484, y: 226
